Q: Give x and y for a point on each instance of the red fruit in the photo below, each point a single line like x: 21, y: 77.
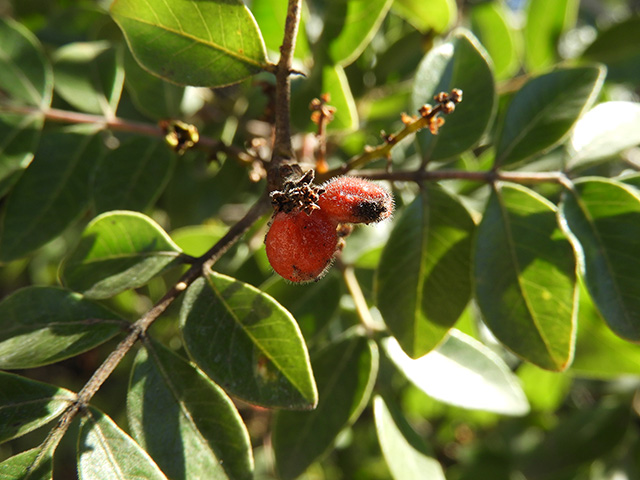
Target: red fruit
x: 301, y: 246
x: 355, y: 200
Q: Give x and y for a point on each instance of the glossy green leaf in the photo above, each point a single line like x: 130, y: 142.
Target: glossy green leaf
x: 405, y: 452
x: 349, y: 26
x: 26, y: 405
x: 604, y: 131
x: 345, y: 372
x: 152, y: 95
x: 603, y: 217
x: 43, y: 325
x: 89, y: 76
x: 618, y: 47
x: 427, y: 258
x: 426, y: 15
x: 202, y: 43
x: 271, y: 16
x: 546, y: 21
x: 51, y: 194
x: 525, y: 277
x: 247, y: 343
x: 210, y: 439
x: 118, y: 251
x: 133, y: 176
x: 105, y: 452
x: 462, y: 372
x: 196, y: 240
x: 28, y: 465
x: 25, y: 73
x: 462, y: 63
x: 542, y: 112
x: 19, y: 135
x: 490, y: 24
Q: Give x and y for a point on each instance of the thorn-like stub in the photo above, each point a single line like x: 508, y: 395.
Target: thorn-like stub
x: 298, y: 193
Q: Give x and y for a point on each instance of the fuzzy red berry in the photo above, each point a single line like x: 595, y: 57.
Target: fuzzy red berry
x: 300, y: 246
x: 355, y: 200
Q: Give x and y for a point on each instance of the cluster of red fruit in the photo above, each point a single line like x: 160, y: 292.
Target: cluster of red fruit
x: 305, y: 232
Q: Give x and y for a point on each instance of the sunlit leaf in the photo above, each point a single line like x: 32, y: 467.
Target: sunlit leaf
x: 461, y: 62
x: 345, y: 372
x: 117, y: 251
x: 43, y: 325
x: 603, y: 217
x: 105, y: 452
x: 545, y: 390
x: 201, y: 43
x: 270, y: 16
x: 427, y: 258
x: 26, y: 404
x: 29, y: 465
x: 404, y: 451
x: 210, y: 439
x: 247, y: 343
x: 464, y: 373
x: 427, y: 15
x: 525, y: 277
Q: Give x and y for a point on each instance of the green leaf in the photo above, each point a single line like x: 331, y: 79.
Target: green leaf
x: 427, y: 258
x: 545, y: 390
x: 201, y: 43
x: 152, y: 95
x: 89, y: 76
x: 427, y: 15
x: 105, y: 452
x: 19, y: 135
x: 271, y: 16
x: 26, y: 405
x: 43, y: 325
x: 525, y: 277
x: 52, y: 193
x: 603, y: 217
x: 546, y: 21
x: 118, y: 251
x: 210, y: 439
x: 618, y: 48
x: 25, y: 73
x: 247, y: 343
x: 133, y: 176
x: 462, y: 372
x: 543, y: 111
x: 462, y: 63
x: 349, y: 26
x: 490, y: 24
x: 345, y: 372
x: 29, y: 465
x: 604, y: 131
x: 599, y: 352
x: 404, y: 451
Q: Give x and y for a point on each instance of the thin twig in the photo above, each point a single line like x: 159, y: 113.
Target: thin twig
x: 351, y: 281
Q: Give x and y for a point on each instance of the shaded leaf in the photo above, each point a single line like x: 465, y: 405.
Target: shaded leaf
x: 106, y: 452
x: 546, y: 21
x: 89, y: 76
x: 427, y: 258
x: 209, y: 438
x: 52, y: 193
x: 19, y: 135
x: 43, y: 325
x: 605, y: 130
x: 133, y: 176
x: 26, y: 405
x: 205, y: 43
x: 462, y: 63
x: 404, y: 452
x: 118, y: 251
x: 525, y: 277
x: 426, y: 15
x: 603, y: 218
x: 345, y: 373
x: 28, y: 466
x: 542, y: 112
x: 247, y: 343
x: 25, y: 73
x: 463, y: 372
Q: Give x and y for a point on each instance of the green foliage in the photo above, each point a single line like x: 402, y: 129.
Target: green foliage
x: 494, y: 315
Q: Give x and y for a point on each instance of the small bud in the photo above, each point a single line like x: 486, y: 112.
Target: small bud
x: 425, y: 110
x: 441, y: 97
x: 448, y: 107
x: 456, y: 95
